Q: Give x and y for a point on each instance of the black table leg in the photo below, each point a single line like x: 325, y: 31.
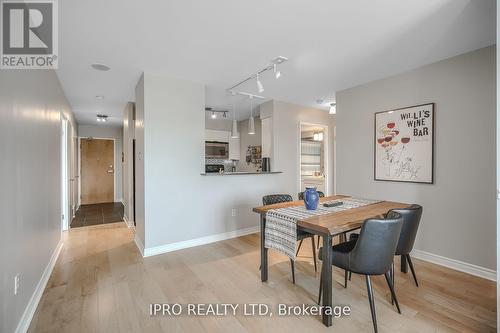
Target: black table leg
x: 327, y: 278
x: 404, y: 264
x: 263, y: 249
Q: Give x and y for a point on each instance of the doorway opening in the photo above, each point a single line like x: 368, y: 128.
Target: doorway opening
x: 313, y: 157
x: 65, y: 209
x: 97, y: 183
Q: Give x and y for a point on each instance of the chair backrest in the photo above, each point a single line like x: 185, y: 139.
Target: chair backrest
x: 411, y: 220
x: 276, y: 198
x: 301, y: 195
x: 374, y: 250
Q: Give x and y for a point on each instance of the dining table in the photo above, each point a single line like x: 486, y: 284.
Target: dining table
x: 327, y: 226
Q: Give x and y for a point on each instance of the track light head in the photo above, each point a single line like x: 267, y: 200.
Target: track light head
x: 333, y: 108
x: 277, y: 73
x: 260, y: 87
x: 213, y: 115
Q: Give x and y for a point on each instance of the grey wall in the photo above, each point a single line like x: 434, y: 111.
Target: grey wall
x: 218, y: 124
x: 459, y: 209
x: 111, y: 132
x: 31, y: 103
x: 181, y: 204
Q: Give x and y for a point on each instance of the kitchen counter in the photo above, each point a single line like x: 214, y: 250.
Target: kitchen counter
x: 239, y: 173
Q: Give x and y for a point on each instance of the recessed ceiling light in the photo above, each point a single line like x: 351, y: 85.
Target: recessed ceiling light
x: 100, y: 67
x: 100, y: 97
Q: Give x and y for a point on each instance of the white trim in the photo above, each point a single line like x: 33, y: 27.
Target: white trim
x: 25, y: 321
x: 139, y: 244
x: 130, y: 224
x: 152, y: 251
x: 326, y: 157
x: 461, y: 266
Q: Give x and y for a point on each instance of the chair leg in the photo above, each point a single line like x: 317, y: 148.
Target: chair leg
x: 320, y: 290
x: 393, y: 293
x: 298, y: 249
x: 350, y: 275
x: 392, y: 280
x: 314, y: 254
x: 372, y: 302
x: 292, y: 265
x: 411, y: 268
x: 345, y: 278
x: 317, y: 245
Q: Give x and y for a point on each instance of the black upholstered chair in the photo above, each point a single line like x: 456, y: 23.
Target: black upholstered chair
x: 371, y: 254
x: 411, y: 220
x: 301, y: 235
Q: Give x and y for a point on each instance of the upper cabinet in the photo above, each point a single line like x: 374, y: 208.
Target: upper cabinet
x: 219, y: 136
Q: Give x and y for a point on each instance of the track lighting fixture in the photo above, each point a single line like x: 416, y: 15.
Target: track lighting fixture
x: 213, y: 115
x: 273, y: 65
x: 251, y: 121
x: 260, y: 87
x: 277, y: 73
x: 234, y: 130
x: 333, y: 108
x: 102, y: 118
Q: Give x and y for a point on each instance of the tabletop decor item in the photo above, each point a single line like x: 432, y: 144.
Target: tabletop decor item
x: 311, y: 198
x: 404, y: 144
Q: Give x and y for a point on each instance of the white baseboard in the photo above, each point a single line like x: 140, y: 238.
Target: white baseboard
x: 148, y: 252
x: 130, y: 224
x: 139, y: 244
x: 27, y: 316
x: 457, y: 265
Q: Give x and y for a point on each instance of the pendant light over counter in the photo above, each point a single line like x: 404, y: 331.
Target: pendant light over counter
x: 234, y: 130
x: 251, y: 121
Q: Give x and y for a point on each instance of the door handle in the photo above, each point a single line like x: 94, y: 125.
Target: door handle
x: 110, y: 171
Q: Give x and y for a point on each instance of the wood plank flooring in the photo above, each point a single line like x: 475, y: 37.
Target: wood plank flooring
x: 101, y: 284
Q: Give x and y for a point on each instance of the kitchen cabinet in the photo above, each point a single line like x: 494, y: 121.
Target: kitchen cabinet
x: 219, y: 136
x: 234, y: 148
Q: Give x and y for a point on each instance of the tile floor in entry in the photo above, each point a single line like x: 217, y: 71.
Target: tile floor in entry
x: 95, y: 214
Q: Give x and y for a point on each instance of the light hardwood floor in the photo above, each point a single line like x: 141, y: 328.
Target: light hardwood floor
x: 102, y: 284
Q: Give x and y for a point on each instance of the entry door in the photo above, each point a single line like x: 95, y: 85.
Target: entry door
x: 97, y: 183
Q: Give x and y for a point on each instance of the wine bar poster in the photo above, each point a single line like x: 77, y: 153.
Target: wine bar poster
x: 404, y: 143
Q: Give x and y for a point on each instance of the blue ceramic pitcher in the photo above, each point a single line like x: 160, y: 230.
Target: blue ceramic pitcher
x: 311, y: 198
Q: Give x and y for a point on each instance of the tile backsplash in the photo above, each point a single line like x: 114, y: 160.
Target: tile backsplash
x: 227, y: 163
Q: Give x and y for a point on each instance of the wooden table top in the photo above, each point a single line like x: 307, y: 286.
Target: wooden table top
x: 338, y: 222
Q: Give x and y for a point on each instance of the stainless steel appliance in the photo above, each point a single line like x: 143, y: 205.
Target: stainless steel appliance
x: 213, y: 168
x: 215, y: 149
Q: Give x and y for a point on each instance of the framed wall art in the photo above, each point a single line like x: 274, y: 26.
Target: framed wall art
x: 404, y: 144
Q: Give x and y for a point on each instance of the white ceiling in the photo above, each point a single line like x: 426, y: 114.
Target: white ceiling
x: 332, y: 45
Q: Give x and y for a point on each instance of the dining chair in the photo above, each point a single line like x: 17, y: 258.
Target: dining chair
x: 371, y: 254
x: 301, y: 235
x: 411, y: 221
